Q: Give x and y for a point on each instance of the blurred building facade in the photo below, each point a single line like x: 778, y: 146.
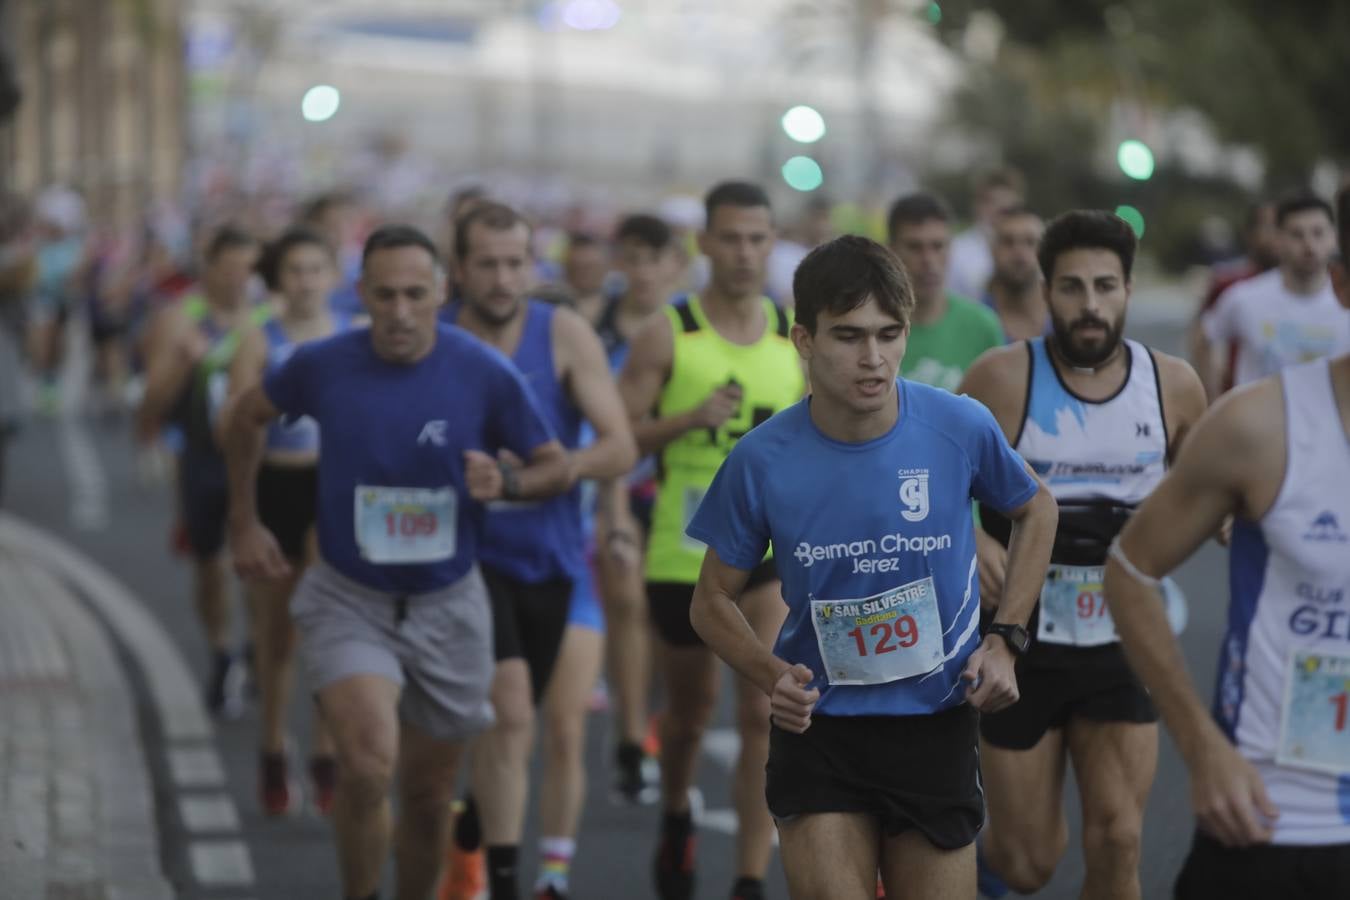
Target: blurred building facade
x: 103, y: 107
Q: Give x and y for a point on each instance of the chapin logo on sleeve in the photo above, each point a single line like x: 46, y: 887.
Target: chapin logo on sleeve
x: 914, y: 494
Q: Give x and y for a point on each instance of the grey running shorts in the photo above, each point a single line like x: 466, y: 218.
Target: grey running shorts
x: 436, y: 646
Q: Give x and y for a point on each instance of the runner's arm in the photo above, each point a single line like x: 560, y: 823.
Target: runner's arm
x: 1225, y: 470
x: 1029, y: 546
x: 1216, y: 331
x: 614, y: 451
x: 1182, y: 513
x: 1184, y: 400
x: 243, y: 431
x: 716, y: 615
x: 246, y: 370
x: 169, y: 368
x: 650, y: 358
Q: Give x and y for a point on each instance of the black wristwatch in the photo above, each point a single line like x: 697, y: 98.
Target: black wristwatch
x: 510, y: 481
x: 1015, y: 636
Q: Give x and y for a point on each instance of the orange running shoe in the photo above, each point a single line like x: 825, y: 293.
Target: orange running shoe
x: 465, y: 876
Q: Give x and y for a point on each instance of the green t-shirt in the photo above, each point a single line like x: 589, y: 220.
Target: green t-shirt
x: 940, y: 352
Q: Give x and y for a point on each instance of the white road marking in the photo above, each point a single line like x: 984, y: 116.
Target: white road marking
x: 221, y: 863
x: 209, y: 813
x: 196, y: 767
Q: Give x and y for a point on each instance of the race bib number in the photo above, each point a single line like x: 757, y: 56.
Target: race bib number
x: 888, y: 636
x: 1073, y: 609
x: 1315, y: 721
x: 690, y: 500
x: 406, y: 525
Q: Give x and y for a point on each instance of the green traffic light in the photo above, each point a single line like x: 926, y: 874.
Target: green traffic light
x: 1135, y: 159
x: 1132, y: 216
x: 802, y: 173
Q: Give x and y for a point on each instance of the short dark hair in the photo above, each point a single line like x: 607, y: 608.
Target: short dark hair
x: 392, y: 237
x: 1300, y: 201
x: 577, y: 240
x: 1343, y: 220
x: 315, y: 208
x: 228, y: 237
x: 649, y: 231
x: 914, y: 209
x: 274, y: 254
x: 998, y: 177
x: 1092, y: 229
x: 840, y: 275
x: 1016, y: 211
x: 496, y: 216
x: 745, y: 194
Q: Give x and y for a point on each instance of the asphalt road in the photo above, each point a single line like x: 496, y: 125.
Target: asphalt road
x: 76, y: 478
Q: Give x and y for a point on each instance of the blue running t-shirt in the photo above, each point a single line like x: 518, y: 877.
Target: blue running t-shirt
x: 874, y: 543
x: 394, y: 513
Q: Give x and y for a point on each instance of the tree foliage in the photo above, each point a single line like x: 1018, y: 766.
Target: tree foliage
x: 1271, y: 75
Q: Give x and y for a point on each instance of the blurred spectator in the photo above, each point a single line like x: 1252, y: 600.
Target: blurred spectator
x: 972, y: 259
x: 338, y: 218
x: 61, y: 222
x: 1260, y: 240
x: 585, y: 265
x: 18, y: 270
x: 814, y: 228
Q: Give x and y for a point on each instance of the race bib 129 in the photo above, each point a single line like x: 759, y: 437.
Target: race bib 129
x: 888, y: 636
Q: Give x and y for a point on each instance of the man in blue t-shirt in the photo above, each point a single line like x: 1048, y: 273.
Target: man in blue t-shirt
x: 394, y: 621
x: 863, y: 490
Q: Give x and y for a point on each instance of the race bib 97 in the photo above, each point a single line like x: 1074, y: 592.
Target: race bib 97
x: 888, y: 636
x: 1073, y: 609
x: 406, y: 525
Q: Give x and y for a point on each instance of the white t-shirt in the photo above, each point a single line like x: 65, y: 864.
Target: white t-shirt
x: 1275, y: 328
x: 971, y: 263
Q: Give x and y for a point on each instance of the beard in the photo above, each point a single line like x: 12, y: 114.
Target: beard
x: 494, y: 316
x: 1074, y: 351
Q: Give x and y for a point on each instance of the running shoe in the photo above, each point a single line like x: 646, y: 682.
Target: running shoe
x: 225, y: 687
x: 323, y: 782
x: 465, y: 875
x: 673, y: 868
x: 277, y: 791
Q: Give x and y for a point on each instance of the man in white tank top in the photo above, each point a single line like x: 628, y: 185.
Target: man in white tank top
x: 1270, y: 770
x: 1098, y: 418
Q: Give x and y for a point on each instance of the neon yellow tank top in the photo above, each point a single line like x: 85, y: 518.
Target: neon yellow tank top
x: 770, y: 376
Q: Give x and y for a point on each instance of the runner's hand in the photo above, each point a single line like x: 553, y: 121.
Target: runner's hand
x: 1229, y: 798
x: 1225, y: 535
x: 993, y: 682
x: 993, y: 560
x: 256, y: 553
x: 483, y: 476
x: 720, y: 405
x: 791, y: 703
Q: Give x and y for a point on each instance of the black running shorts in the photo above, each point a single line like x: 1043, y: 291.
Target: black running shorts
x: 911, y: 772
x: 288, y: 499
x: 528, y: 622
x: 1050, y: 697
x: 1289, y: 872
x: 669, y: 603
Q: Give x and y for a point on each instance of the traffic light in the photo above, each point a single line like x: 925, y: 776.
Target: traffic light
x: 320, y: 103
x: 802, y: 173
x: 804, y: 124
x: 1135, y: 159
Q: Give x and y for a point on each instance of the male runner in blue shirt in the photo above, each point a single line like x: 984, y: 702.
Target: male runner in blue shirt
x: 864, y: 491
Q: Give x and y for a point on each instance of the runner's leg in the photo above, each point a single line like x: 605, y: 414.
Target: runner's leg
x: 831, y: 856
x: 426, y: 787
x: 913, y: 867
x: 765, y: 610
x: 1024, y: 791
x: 1114, y: 763
x: 362, y: 715
x: 562, y: 789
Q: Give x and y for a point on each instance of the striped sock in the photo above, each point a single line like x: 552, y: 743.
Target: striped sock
x: 555, y: 855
